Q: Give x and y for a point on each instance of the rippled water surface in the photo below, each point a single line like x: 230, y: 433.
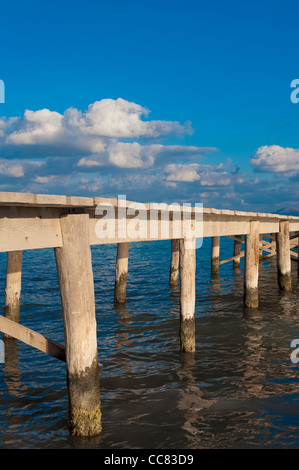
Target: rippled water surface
x: 240, y: 388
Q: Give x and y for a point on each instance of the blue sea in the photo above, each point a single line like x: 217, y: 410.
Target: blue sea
x: 239, y: 390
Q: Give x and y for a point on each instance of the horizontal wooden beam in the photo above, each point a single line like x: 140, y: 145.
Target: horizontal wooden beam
x: 44, y: 200
x: 237, y: 239
x: 33, y: 221
x: 293, y: 237
x: 32, y: 338
x: 240, y: 255
x: 269, y: 247
x: 269, y: 256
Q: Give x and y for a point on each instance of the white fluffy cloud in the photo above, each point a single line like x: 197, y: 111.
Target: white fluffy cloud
x: 111, y: 148
x: 186, y: 173
x: 205, y: 174
x: 135, y: 155
x: 121, y: 119
x: 126, y: 155
x: 276, y: 159
x: 49, y: 133
x: 17, y: 168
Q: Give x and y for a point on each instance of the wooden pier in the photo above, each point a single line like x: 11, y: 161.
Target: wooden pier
x: 70, y: 225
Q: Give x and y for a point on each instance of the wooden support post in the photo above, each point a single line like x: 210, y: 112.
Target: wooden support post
x: 251, y: 266
x: 215, y: 256
x: 187, y: 295
x: 13, y: 286
x: 237, y: 251
x: 121, y: 272
x: 273, y: 242
x: 175, y: 263
x: 261, y: 247
x: 74, y: 268
x: 283, y: 256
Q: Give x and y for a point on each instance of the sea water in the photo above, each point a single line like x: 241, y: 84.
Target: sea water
x: 238, y: 390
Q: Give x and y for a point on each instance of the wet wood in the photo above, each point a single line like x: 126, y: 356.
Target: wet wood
x: 215, y: 256
x: 187, y: 294
x: 237, y: 252
x: 251, y: 271
x: 240, y: 255
x: 74, y: 268
x: 283, y: 257
x: 32, y: 338
x: 121, y: 272
x: 174, y: 263
x: 13, y: 285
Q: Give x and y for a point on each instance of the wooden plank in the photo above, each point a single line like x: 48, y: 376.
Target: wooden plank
x: 237, y: 239
x: 44, y: 200
x: 31, y: 221
x: 50, y: 200
x: 232, y: 258
x: 269, y: 256
x: 265, y: 243
x: 293, y: 237
x: 32, y: 338
x: 269, y: 247
x: 211, y: 226
x: 26, y: 229
x: 266, y: 235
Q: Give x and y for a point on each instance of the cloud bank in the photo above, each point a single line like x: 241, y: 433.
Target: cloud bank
x: 110, y: 139
x: 114, y: 148
x: 48, y: 133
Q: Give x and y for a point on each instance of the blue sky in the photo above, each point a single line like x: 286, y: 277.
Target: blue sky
x: 171, y: 101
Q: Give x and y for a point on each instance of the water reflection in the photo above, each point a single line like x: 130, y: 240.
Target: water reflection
x: 190, y: 400
x: 123, y: 318
x: 239, y: 389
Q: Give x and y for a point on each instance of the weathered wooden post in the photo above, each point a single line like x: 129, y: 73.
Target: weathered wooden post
x: 74, y: 268
x: 121, y: 272
x: 215, y: 256
x: 261, y: 247
x: 175, y: 263
x: 251, y: 271
x: 13, y: 286
x: 273, y: 243
x: 283, y: 256
x: 237, y: 251
x: 187, y: 294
